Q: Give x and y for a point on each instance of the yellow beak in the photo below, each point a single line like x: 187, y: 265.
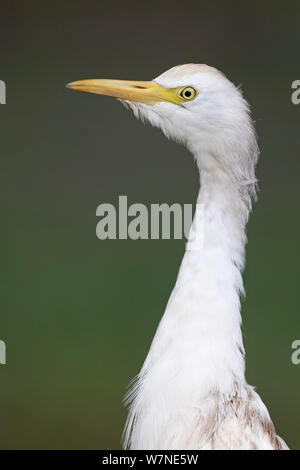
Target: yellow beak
x: 142, y: 92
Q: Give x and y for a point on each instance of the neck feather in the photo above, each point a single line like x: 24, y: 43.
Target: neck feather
x: 209, y: 285
x: 197, y: 351
x: 199, y: 336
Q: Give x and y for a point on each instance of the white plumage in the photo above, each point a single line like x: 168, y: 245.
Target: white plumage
x: 191, y: 392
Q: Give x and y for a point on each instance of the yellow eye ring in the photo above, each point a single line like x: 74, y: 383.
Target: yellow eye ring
x: 188, y: 93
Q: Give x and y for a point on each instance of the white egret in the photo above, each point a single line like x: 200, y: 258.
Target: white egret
x: 191, y: 392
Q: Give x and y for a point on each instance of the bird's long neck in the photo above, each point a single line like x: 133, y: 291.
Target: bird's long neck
x: 197, y: 352
x: 200, y: 332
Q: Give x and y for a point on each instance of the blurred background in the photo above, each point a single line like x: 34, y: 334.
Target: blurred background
x: 78, y: 314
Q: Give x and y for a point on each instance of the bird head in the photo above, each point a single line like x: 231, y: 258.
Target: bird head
x: 193, y: 104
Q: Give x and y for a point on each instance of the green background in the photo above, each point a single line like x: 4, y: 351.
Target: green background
x: 78, y: 314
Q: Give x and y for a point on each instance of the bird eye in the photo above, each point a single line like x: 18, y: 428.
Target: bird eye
x: 188, y: 93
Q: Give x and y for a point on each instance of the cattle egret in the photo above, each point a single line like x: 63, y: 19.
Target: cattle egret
x: 191, y: 392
